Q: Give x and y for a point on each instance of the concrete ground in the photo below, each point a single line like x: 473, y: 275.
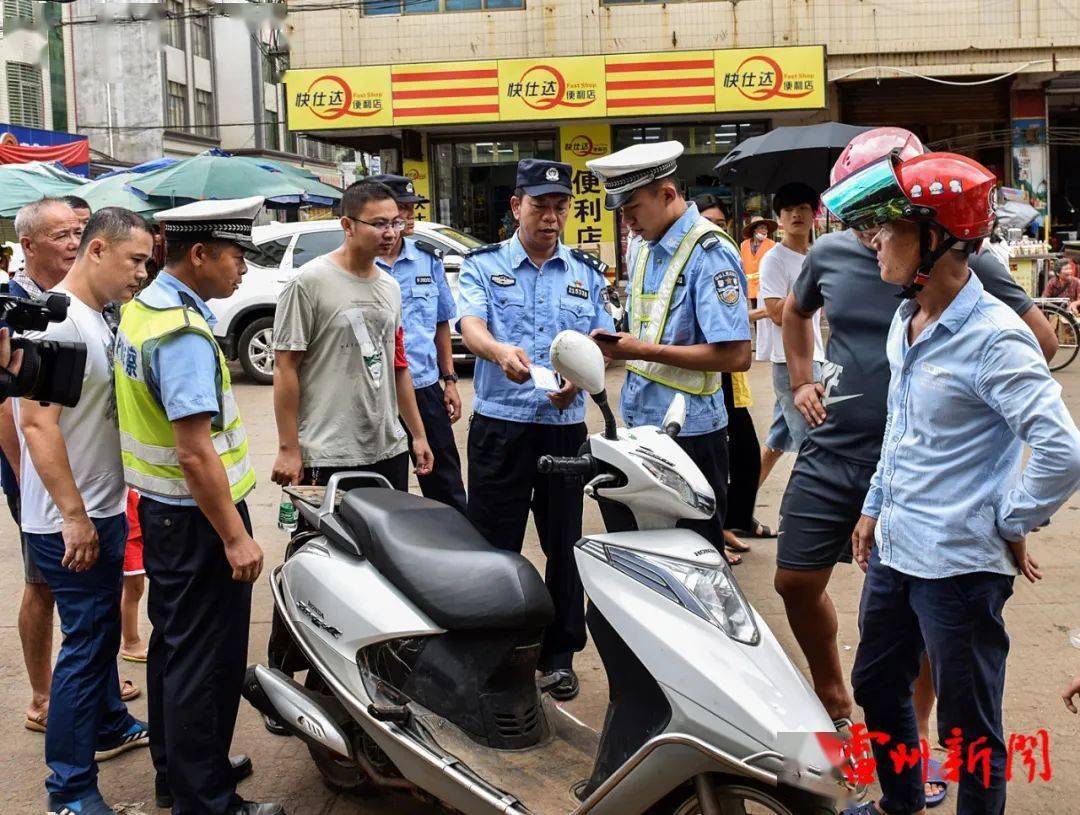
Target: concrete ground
x: 1039, y: 619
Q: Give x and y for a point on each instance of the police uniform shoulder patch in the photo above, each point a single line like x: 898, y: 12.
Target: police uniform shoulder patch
x: 727, y: 287
x: 429, y: 248
x: 590, y: 260
x: 479, y: 250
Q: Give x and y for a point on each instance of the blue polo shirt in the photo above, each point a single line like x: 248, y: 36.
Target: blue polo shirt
x: 527, y: 306
x: 426, y: 301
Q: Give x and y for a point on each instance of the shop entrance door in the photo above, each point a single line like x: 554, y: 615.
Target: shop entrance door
x: 475, y: 177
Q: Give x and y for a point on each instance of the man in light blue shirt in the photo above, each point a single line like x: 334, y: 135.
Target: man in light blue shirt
x: 688, y: 316
x: 514, y: 297
x: 945, y: 521
x: 427, y: 306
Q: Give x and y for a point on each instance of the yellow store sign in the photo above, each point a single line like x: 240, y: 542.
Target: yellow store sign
x: 589, y: 225
x: 559, y: 88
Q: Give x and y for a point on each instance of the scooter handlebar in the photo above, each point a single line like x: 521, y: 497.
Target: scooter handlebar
x: 560, y: 465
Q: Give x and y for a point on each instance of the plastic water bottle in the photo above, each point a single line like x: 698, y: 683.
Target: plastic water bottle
x: 287, y: 514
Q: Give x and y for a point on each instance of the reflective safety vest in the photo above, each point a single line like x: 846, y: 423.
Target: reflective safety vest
x: 147, y: 441
x: 649, y: 313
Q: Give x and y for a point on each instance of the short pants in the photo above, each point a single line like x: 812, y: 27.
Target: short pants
x: 821, y: 506
x: 793, y: 420
x: 31, y: 573
x: 133, y: 548
x: 779, y: 437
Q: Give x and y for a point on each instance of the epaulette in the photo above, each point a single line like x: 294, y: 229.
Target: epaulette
x: 430, y: 248
x: 479, y: 250
x: 590, y: 260
x: 711, y: 239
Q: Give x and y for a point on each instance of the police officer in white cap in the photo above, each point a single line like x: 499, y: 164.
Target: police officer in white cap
x: 186, y: 453
x: 687, y: 309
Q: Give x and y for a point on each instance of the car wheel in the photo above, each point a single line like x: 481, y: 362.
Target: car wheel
x: 256, y: 350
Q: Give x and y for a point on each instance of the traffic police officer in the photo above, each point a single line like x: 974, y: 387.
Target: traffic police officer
x: 514, y: 297
x: 427, y: 308
x: 687, y: 308
x: 185, y: 451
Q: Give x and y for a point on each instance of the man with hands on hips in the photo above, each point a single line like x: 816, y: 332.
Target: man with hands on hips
x: 514, y: 297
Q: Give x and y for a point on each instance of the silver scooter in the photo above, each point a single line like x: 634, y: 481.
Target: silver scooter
x: 420, y: 642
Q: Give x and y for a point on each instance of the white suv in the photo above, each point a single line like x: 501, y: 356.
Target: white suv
x: 245, y: 321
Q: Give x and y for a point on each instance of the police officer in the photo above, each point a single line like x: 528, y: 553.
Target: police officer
x: 427, y: 306
x: 514, y: 297
x: 186, y: 452
x: 687, y: 308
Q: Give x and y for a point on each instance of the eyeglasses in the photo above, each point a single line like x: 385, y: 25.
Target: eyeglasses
x: 381, y: 226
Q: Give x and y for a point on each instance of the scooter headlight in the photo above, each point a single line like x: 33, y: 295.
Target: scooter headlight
x: 672, y: 480
x: 710, y: 592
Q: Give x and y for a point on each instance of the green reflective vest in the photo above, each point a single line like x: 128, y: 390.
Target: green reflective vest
x: 147, y: 441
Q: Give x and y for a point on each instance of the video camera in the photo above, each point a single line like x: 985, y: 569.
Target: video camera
x: 51, y: 372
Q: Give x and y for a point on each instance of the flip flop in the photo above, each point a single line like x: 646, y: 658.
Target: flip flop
x: 732, y: 547
x: 732, y: 559
x: 37, y: 724
x: 129, y: 657
x: 933, y: 776
x: 760, y: 530
x: 129, y: 691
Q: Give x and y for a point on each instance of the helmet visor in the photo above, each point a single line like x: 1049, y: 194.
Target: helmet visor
x: 872, y: 196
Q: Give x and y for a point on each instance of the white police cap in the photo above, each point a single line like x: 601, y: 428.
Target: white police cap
x: 229, y: 219
x: 633, y: 167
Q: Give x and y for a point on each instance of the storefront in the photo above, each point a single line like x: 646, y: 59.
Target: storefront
x: 458, y: 129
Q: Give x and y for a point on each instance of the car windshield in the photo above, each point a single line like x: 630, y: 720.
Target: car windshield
x: 268, y: 254
x: 466, y: 240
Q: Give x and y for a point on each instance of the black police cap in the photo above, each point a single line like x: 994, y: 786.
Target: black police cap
x: 402, y: 188
x: 537, y: 176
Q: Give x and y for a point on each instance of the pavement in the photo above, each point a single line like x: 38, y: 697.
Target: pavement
x: 1038, y: 617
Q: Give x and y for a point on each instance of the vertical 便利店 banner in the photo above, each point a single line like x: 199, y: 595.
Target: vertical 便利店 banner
x: 590, y: 227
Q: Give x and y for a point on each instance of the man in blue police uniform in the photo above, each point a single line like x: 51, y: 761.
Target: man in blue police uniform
x: 514, y: 297
x: 186, y: 453
x: 687, y: 307
x: 427, y: 306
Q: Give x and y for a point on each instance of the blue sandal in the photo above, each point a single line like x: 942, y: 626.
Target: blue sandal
x: 933, y: 776
x: 867, y: 808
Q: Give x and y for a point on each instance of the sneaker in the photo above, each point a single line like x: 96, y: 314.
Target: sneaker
x: 90, y: 805
x: 561, y: 684
x: 138, y: 735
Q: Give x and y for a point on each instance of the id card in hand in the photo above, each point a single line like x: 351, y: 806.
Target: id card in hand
x: 544, y: 379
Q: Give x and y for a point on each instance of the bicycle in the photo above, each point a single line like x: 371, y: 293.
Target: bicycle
x: 1066, y: 328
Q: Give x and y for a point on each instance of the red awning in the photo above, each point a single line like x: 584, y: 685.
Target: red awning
x: 70, y: 155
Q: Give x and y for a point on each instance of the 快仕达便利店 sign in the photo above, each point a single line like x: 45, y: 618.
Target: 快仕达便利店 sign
x: 557, y: 88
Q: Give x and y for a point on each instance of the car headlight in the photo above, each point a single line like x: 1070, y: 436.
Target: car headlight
x: 672, y: 480
x: 710, y: 592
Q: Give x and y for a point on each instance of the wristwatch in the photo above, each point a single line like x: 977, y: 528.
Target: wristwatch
x: 449, y: 377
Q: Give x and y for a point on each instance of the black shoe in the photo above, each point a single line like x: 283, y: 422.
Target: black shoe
x: 562, y: 684
x: 241, y: 767
x: 252, y: 808
x: 275, y: 727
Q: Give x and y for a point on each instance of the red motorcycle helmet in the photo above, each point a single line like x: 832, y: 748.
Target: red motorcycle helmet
x: 960, y: 192
x: 872, y: 145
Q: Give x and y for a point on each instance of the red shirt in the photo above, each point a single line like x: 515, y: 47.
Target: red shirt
x: 400, y: 362
x: 1062, y: 286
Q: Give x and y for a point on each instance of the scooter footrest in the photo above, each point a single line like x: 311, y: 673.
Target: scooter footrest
x: 398, y: 714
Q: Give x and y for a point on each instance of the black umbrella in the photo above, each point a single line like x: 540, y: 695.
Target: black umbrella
x: 787, y: 154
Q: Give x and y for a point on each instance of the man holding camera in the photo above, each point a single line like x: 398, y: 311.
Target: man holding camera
x: 73, y: 519
x: 49, y: 232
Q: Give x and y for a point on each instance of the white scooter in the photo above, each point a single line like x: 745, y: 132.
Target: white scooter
x: 421, y: 642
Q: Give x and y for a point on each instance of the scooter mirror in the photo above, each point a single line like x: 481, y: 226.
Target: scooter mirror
x: 579, y: 360
x: 675, y: 417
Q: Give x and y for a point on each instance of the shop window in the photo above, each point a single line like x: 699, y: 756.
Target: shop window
x: 642, y: 2
x: 313, y: 244
x: 200, y: 34
x: 26, y: 102
x: 204, y: 113
x: 176, y: 112
x: 378, y: 7
x: 174, y: 28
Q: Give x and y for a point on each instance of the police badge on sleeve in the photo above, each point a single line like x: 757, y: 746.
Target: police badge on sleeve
x: 727, y: 287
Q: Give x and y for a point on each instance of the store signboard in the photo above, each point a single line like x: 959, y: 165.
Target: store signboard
x: 589, y: 226
x: 336, y: 98
x: 757, y: 79
x: 545, y: 89
x: 420, y: 175
x: 557, y: 88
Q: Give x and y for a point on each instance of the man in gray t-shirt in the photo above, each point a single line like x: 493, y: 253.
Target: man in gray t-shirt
x: 847, y: 412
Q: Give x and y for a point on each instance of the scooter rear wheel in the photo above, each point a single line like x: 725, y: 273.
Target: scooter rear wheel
x: 339, y: 774
x: 738, y: 798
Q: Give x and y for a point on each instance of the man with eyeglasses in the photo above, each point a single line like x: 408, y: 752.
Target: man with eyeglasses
x: 427, y: 308
x: 49, y: 232
x: 514, y: 297
x: 340, y: 374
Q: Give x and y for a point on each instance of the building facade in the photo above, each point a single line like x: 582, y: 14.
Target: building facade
x: 453, y: 92
x: 32, y: 75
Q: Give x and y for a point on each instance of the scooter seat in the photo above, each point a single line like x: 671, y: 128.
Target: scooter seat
x: 437, y: 559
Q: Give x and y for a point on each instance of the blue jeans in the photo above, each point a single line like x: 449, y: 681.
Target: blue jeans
x: 957, y: 620
x: 84, y: 706
x: 785, y: 415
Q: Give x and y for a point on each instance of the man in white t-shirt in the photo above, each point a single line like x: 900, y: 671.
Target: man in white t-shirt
x: 73, y: 516
x: 794, y: 205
